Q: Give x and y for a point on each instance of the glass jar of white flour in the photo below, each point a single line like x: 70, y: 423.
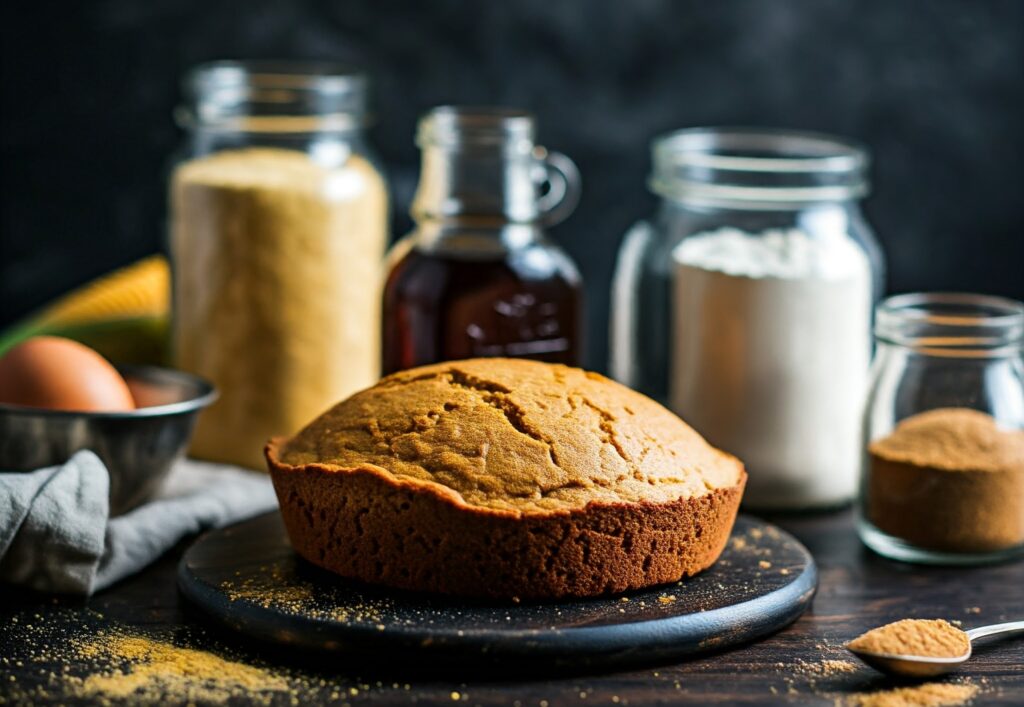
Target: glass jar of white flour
x: 745, y: 304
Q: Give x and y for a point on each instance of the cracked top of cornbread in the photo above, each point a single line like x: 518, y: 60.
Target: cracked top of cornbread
x: 518, y: 435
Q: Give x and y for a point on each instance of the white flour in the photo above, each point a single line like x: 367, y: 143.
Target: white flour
x: 771, y: 347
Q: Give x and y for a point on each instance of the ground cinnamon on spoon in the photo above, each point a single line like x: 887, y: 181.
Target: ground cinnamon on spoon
x: 915, y: 637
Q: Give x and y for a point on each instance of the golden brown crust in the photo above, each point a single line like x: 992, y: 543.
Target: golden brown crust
x: 368, y: 525
x: 519, y: 435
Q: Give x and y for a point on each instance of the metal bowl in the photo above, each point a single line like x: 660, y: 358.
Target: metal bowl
x: 138, y: 447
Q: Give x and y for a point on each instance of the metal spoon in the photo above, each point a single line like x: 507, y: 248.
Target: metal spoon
x: 923, y: 667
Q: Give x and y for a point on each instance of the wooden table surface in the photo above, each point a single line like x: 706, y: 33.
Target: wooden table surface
x: 857, y: 591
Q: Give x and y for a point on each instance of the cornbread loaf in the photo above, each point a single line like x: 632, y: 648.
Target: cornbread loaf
x: 505, y: 478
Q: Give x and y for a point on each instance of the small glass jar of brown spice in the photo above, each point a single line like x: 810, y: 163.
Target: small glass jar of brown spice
x: 943, y: 478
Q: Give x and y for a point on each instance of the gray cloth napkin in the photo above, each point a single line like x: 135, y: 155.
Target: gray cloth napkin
x: 56, y: 533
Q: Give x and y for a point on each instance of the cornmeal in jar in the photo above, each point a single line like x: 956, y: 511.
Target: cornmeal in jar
x: 277, y: 269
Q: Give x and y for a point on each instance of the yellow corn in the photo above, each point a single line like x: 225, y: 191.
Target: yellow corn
x: 139, y: 290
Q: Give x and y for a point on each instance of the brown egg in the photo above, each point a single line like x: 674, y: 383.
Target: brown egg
x: 60, y: 374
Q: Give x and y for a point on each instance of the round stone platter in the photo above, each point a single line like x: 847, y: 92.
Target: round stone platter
x: 248, y: 578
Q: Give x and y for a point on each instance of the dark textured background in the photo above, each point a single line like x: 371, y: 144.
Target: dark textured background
x: 935, y: 89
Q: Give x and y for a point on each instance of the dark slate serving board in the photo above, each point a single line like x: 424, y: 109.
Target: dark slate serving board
x: 247, y: 577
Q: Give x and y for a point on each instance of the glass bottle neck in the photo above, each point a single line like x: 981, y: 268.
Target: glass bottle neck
x: 494, y: 186
x: 484, y: 237
x: 481, y: 165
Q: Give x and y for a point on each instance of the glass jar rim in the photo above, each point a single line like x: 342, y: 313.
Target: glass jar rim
x: 750, y: 167
x: 951, y: 323
x: 294, y: 97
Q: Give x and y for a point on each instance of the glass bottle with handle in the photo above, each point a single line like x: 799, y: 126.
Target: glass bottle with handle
x: 478, y: 276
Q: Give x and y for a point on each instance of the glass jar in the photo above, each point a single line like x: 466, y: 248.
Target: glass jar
x: 478, y: 275
x: 943, y: 478
x: 745, y: 304
x: 278, y: 226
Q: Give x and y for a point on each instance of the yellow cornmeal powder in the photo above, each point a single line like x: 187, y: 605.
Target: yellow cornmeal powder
x: 152, y: 672
x: 272, y: 590
x: 277, y: 274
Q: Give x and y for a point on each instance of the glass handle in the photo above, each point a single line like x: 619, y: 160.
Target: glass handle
x: 563, y: 180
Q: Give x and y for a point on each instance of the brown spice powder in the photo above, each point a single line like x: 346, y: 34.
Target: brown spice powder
x: 832, y: 667
x: 926, y: 695
x: 917, y: 637
x: 949, y: 480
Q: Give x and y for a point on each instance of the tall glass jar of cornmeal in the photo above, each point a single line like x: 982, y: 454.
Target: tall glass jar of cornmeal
x: 278, y: 223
